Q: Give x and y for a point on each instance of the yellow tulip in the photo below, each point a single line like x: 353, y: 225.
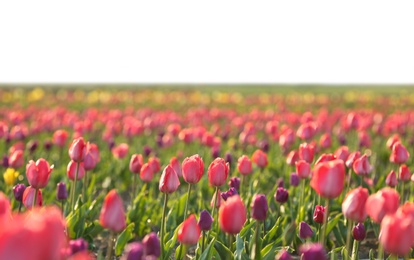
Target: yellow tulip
x: 10, y: 176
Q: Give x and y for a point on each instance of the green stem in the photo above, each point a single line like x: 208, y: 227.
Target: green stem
x: 215, y: 202
x: 164, y: 211
x: 380, y: 251
x: 348, y: 236
x: 134, y: 184
x: 35, y: 198
x: 203, y: 241
x: 325, y: 221
x: 20, y: 206
x: 186, y: 203
x: 231, y: 242
x: 62, y: 202
x: 302, y: 198
x: 257, y: 249
x: 85, y: 185
x: 243, y: 181
x: 73, y: 191
x: 110, y: 246
x: 355, y: 255
x: 402, y: 192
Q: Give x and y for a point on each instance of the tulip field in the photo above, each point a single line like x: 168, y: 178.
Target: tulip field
x: 206, y: 172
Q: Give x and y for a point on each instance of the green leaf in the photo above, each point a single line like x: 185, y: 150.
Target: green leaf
x: 180, y: 251
x: 269, y: 251
x: 332, y: 223
x: 207, y: 254
x: 123, y: 239
x: 239, y: 247
x: 223, y: 251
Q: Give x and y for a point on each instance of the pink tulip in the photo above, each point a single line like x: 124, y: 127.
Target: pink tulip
x: 232, y: 215
x: 391, y: 179
x: 303, y: 169
x: 193, y: 169
x: 218, y: 172
x: 28, y: 197
x: 120, y: 151
x: 154, y: 164
x: 292, y: 157
x: 136, y: 163
x: 260, y: 158
x: 397, y: 233
x: 353, y: 206
x: 38, y: 173
x: 189, y: 232
x: 175, y: 163
x: 60, y: 137
x: 77, y: 150
x: 306, y: 152
x: 404, y: 173
x: 362, y: 166
x: 328, y: 178
x: 169, y: 181
x: 71, y: 171
x: 16, y: 159
x: 244, y: 165
x: 384, y: 202
x: 399, y: 153
x: 112, y: 214
x: 146, y: 173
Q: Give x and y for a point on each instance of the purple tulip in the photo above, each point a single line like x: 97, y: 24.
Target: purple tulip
x: 305, y: 230
x: 205, y: 221
x: 281, y: 195
x: 259, y: 207
x: 152, y: 245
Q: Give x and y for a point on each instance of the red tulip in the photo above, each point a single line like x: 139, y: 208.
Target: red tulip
x: 28, y: 197
x: 391, y: 179
x: 260, y: 158
x: 38, y: 173
x: 16, y: 159
x: 303, y: 169
x: 292, y: 157
x: 362, y: 166
x: 169, y: 181
x: 351, y: 159
x: 218, y: 172
x: 175, y: 163
x: 38, y: 234
x: 146, y: 173
x: 342, y: 153
x: 353, y: 206
x: 136, y: 163
x: 60, y: 137
x: 325, y: 158
x: 397, y: 234
x: 404, y: 173
x: 244, y: 165
x: 189, y: 232
x: 193, y: 169
x: 325, y: 141
x: 112, y: 214
x: 232, y: 215
x: 306, y: 152
x: 91, y: 157
x: 399, y: 153
x: 77, y: 150
x: 71, y: 171
x: 120, y: 151
x: 328, y: 178
x: 154, y: 164
x: 384, y: 202
x: 306, y: 131
x: 319, y: 214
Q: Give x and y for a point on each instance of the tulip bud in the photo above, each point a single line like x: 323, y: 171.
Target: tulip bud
x: 136, y: 163
x: 147, y: 150
x: 91, y: 157
x: 283, y: 255
x: 227, y: 194
x: 61, y: 192
x: 112, y: 214
x: 260, y: 158
x: 319, y: 214
x: 303, y: 169
x: 47, y: 144
x: 189, y: 232
x: 259, y: 207
x: 294, y: 179
x: 77, y: 150
x: 361, y: 165
x: 305, y: 230
x: 385, y: 201
x: 152, y: 245
x: 175, y: 163
x: 353, y: 206
x: 205, y: 220
x: 312, y: 251
x: 391, y: 179
x: 280, y: 183
x: 154, y: 164
x: 78, y: 245
x: 244, y: 165
x: 351, y: 159
x: 133, y: 251
x: 292, y: 158
x: 18, y: 191
x: 218, y: 172
x: 215, y: 152
x: 306, y: 152
x: 5, y: 161
x: 32, y: 146
x: 169, y: 181
x: 16, y: 159
x: 235, y: 183
x: 359, y: 232
x: 232, y: 215
x: 228, y: 157
x: 399, y: 153
x: 120, y: 151
x: 342, y: 153
x: 60, y: 137
x: 193, y: 169
x: 328, y: 178
x: 71, y: 170
x: 281, y: 195
x: 146, y: 173
x: 38, y: 173
x: 404, y: 173
x: 325, y: 158
x: 28, y: 197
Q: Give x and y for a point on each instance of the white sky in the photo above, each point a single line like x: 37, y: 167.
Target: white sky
x: 207, y: 41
